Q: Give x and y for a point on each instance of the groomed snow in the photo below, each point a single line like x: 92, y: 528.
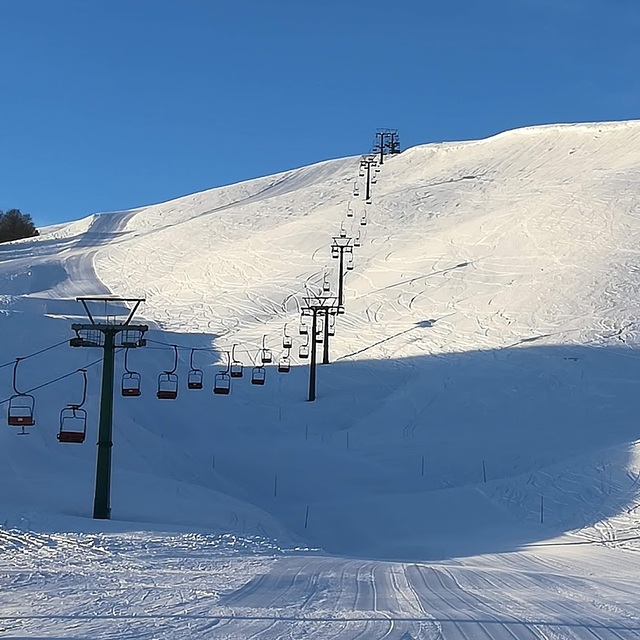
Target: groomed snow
x: 484, y: 375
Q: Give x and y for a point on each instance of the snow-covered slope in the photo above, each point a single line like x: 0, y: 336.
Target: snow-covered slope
x: 485, y: 369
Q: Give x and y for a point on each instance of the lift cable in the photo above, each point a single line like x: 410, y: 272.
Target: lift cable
x: 58, y: 379
x: 34, y: 354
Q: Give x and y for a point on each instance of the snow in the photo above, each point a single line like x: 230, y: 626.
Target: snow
x: 483, y: 379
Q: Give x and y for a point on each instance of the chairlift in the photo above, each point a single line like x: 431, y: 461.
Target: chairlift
x: 332, y: 325
x: 350, y: 263
x: 356, y: 240
x: 356, y: 190
x: 222, y: 383
x: 343, y: 231
x: 303, y: 350
x: 73, y: 419
x: 287, y: 341
x: 168, y: 381
x: 304, y: 328
x: 367, y: 201
x: 258, y: 375
x: 284, y: 364
x: 131, y: 380
x: 222, y: 380
x: 374, y: 180
x: 326, y: 285
x: 265, y: 355
x: 20, y: 412
x: 335, y: 251
x: 363, y: 220
x: 235, y: 368
x: 195, y: 379
x: 349, y: 211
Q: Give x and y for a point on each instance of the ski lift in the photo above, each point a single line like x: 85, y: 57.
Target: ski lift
x: 131, y: 380
x: 235, y: 368
x: 374, y: 178
x: 304, y: 328
x: 284, y: 364
x: 222, y: 380
x: 265, y: 355
x: 168, y: 381
x: 343, y: 231
x: 367, y: 201
x: 363, y: 220
x: 320, y: 331
x: 356, y: 190
x: 303, y: 350
x: 21, y: 406
x: 350, y: 263
x: 332, y: 325
x: 73, y: 418
x: 357, y: 239
x: 287, y: 341
x: 258, y: 375
x: 335, y: 251
x: 195, y: 377
x: 349, y: 211
x: 326, y: 285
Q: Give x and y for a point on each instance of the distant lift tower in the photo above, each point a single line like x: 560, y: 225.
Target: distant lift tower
x: 109, y: 334
x: 387, y: 142
x: 315, y: 307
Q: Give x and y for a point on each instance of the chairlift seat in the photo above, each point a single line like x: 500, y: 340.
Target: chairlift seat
x: 258, y: 375
x: 21, y: 421
x: 167, y: 386
x: 131, y: 385
x: 284, y: 366
x: 287, y: 342
x: 20, y: 412
x: 73, y: 424
x: 304, y: 329
x: 303, y: 352
x: 235, y: 370
x: 71, y: 436
x: 222, y: 384
x: 194, y: 381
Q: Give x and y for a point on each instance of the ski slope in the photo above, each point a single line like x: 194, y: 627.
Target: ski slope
x: 470, y: 467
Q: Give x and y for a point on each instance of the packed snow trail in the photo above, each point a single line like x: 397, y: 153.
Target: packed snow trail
x: 143, y: 585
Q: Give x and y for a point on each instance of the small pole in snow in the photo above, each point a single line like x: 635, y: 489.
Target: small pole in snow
x: 422, y: 466
x: 541, y: 509
x: 306, y: 517
x: 484, y: 472
x: 275, y: 486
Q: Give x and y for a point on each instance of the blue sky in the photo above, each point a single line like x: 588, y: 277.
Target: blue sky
x: 113, y: 104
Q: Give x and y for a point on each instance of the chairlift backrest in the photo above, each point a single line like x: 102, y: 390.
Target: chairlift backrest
x: 303, y: 351
x: 287, y: 342
x: 284, y: 365
x: 266, y: 356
